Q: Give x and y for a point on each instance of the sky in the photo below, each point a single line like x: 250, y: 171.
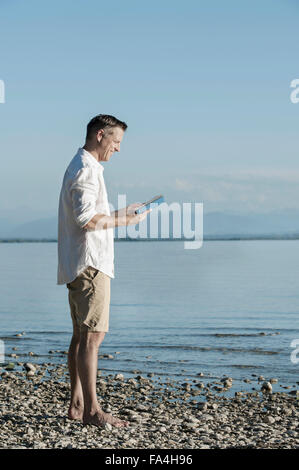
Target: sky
x: 204, y: 87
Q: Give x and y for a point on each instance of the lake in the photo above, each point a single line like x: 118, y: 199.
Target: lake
x: 229, y: 308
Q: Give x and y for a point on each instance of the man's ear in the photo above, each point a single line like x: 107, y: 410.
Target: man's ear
x: 100, y: 134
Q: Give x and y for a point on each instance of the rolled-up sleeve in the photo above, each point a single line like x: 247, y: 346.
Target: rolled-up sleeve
x: 84, y: 191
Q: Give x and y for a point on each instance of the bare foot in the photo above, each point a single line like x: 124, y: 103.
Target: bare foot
x: 75, y: 412
x: 100, y: 418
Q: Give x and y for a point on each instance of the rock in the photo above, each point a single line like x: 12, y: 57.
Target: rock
x: 269, y: 420
x: 10, y: 366
x: 119, y: 377
x: 132, y: 382
x: 202, y: 406
x: 214, y: 406
x: 141, y: 407
x: 102, y: 384
x: 226, y: 378
x: 164, y: 418
x: 200, y: 385
x: 227, y: 383
x: 266, y: 387
x: 30, y: 373
x: 186, y: 386
x: 139, y: 377
x: 192, y: 419
x: 28, y: 366
x: 107, y: 409
x: 273, y: 381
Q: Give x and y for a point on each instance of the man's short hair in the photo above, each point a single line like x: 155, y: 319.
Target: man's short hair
x: 103, y: 121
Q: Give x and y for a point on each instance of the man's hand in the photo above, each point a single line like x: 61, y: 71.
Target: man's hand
x: 125, y: 216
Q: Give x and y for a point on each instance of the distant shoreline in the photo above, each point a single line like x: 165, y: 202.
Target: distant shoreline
x: 207, y: 238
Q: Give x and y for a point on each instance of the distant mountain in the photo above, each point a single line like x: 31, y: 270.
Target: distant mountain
x: 220, y: 223
x: 40, y: 228
x: 215, y: 224
x: 20, y: 219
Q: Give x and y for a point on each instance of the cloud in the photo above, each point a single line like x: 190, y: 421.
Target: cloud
x: 257, y: 174
x: 183, y: 185
x: 253, y: 189
x: 250, y: 189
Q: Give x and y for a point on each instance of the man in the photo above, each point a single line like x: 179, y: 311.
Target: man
x: 86, y: 260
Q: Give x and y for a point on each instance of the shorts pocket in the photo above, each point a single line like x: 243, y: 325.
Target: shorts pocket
x: 91, y: 273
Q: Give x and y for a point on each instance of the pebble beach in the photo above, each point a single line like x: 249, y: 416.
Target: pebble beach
x: 34, y: 400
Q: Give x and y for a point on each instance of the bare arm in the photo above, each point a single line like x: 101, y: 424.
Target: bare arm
x: 84, y: 192
x: 118, y: 218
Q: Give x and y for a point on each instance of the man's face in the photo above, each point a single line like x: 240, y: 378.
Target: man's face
x: 110, y: 142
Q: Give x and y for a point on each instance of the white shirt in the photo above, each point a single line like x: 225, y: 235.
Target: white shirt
x: 83, y: 195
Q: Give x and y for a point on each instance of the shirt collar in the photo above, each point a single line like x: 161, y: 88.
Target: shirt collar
x: 90, y: 157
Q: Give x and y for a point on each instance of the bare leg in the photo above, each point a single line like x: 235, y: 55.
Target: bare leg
x: 77, y: 403
x: 87, y: 367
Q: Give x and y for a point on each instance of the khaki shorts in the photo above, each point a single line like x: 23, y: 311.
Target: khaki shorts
x: 89, y: 299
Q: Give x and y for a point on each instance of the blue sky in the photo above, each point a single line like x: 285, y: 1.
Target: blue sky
x: 204, y: 87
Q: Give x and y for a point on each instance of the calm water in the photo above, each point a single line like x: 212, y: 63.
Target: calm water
x: 229, y: 308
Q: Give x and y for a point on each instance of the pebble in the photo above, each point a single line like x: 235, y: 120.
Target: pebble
x: 273, y: 381
x: 269, y: 420
x: 200, y: 385
x: 119, y: 377
x: 227, y: 383
x: 161, y: 414
x: 29, y: 367
x: 202, y: 406
x: 266, y: 387
x: 106, y: 356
